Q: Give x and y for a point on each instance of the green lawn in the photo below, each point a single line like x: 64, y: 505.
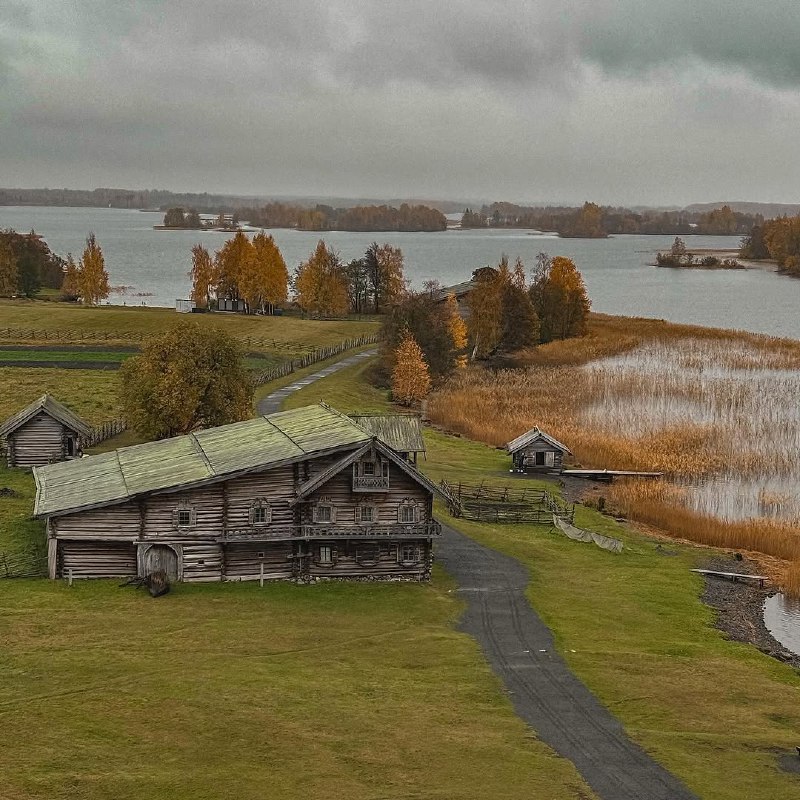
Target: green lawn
x: 633, y: 628
x: 286, y: 335
x: 61, y: 355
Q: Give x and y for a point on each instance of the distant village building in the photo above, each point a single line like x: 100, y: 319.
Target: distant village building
x: 226, y: 304
x: 184, y: 306
x: 43, y: 432
x: 461, y: 292
x: 536, y: 451
x: 304, y: 494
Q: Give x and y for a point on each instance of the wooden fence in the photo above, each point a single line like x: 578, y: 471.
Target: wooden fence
x: 507, y: 503
x: 323, y: 353
x: 28, y: 563
x: 105, y: 431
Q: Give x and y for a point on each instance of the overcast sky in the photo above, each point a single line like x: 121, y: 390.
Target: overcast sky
x: 627, y: 102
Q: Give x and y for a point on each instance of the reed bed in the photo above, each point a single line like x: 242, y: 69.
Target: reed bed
x: 791, y: 581
x: 716, y: 411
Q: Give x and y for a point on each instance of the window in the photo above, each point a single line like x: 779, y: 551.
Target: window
x: 407, y: 514
x: 367, y: 514
x: 368, y: 468
x: 325, y: 554
x: 260, y: 513
x: 323, y: 513
x: 408, y: 554
x: 184, y: 518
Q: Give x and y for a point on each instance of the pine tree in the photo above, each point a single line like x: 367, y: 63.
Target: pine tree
x: 8, y: 270
x: 70, y: 288
x: 411, y: 380
x: 92, y: 275
x: 203, y: 275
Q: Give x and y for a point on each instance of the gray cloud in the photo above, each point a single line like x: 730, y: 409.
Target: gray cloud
x: 563, y: 100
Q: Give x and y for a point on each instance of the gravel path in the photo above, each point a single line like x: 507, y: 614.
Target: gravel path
x: 544, y: 691
x: 273, y: 402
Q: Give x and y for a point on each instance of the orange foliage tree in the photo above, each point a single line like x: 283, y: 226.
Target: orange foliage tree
x: 203, y: 275
x: 266, y: 279
x: 559, y: 297
x: 232, y: 262
x: 92, y: 277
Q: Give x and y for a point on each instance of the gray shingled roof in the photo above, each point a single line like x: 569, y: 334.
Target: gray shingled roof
x: 53, y: 408
x: 402, y: 432
x: 531, y: 436
x: 187, y: 461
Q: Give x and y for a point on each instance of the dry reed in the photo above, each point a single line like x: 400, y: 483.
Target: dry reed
x: 714, y: 410
x: 791, y: 581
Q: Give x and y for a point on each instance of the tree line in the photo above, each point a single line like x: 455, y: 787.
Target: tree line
x: 358, y: 218
x: 255, y: 272
x: 778, y: 239
x: 426, y: 338
x: 593, y: 221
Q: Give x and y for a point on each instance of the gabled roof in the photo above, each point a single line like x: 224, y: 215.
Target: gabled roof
x: 52, y: 408
x: 402, y: 432
x: 374, y: 444
x: 199, y: 458
x: 531, y: 436
x: 458, y: 289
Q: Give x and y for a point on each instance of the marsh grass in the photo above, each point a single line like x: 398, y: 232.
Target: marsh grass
x: 791, y: 581
x: 715, y: 411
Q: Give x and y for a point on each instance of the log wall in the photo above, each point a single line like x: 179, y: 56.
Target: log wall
x: 97, y: 559
x: 243, y: 560
x: 353, y: 559
x: 39, y: 441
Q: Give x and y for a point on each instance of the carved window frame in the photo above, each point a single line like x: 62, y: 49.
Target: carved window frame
x: 180, y: 512
x: 259, y: 505
x: 332, y: 555
x: 324, y: 502
x: 360, y: 515
x: 416, y: 554
x: 404, y: 506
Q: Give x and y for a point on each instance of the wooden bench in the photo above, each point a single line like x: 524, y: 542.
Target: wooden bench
x: 734, y: 576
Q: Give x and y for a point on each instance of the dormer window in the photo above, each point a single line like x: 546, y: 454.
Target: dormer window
x: 370, y: 476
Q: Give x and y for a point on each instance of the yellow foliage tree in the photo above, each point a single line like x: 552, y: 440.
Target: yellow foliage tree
x: 411, y: 379
x: 560, y: 299
x: 320, y: 283
x: 92, y: 275
x: 233, y: 262
x: 457, y: 329
x: 266, y: 280
x: 486, y: 310
x: 203, y: 275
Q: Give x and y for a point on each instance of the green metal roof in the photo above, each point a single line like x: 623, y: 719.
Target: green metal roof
x: 402, y: 432
x: 51, y: 406
x: 186, y: 461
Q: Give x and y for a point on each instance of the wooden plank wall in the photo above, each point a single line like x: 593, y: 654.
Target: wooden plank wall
x: 243, y: 560
x: 202, y: 561
x: 97, y: 559
x: 348, y: 565
x: 276, y: 486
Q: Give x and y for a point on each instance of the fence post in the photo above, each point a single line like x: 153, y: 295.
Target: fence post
x: 261, y: 575
x: 69, y: 577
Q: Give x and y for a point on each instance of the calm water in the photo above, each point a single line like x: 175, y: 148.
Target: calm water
x: 782, y: 618
x: 616, y: 270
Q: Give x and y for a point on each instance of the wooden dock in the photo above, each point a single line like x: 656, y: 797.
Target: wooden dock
x: 734, y: 576
x: 608, y: 475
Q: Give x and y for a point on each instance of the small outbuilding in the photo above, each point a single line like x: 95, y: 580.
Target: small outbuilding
x: 43, y: 432
x: 536, y: 451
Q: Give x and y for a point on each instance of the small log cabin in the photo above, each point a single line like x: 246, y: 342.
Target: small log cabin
x: 43, y: 432
x: 536, y: 451
x: 301, y: 494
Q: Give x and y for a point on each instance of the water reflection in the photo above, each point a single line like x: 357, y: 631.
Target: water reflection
x: 782, y: 618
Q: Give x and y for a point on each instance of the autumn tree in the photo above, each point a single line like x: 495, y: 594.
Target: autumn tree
x: 383, y: 265
x: 232, y: 261
x: 485, y: 302
x: 70, y: 287
x: 320, y: 284
x: 457, y: 329
x: 411, y: 380
x: 8, y: 270
x: 265, y: 279
x: 92, y: 275
x: 559, y: 297
x: 203, y: 275
x: 185, y: 379
x: 357, y: 285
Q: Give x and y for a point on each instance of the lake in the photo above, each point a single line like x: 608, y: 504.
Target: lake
x: 616, y: 270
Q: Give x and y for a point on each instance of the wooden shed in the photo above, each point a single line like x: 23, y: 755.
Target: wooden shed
x: 43, y: 432
x: 536, y: 451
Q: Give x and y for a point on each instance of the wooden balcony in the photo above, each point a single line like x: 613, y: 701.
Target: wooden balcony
x: 421, y: 530
x: 370, y: 483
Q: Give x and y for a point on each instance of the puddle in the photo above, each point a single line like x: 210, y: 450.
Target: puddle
x: 782, y: 618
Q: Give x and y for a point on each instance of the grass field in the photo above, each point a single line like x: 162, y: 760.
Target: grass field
x: 633, y: 628
x: 285, y: 335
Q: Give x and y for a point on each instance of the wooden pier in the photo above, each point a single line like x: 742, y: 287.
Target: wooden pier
x: 608, y: 475
x: 734, y: 576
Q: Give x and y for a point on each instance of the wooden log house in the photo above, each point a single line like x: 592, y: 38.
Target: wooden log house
x: 299, y: 494
x: 43, y: 432
x: 536, y: 451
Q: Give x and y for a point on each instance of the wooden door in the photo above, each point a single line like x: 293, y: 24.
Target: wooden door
x: 160, y: 557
